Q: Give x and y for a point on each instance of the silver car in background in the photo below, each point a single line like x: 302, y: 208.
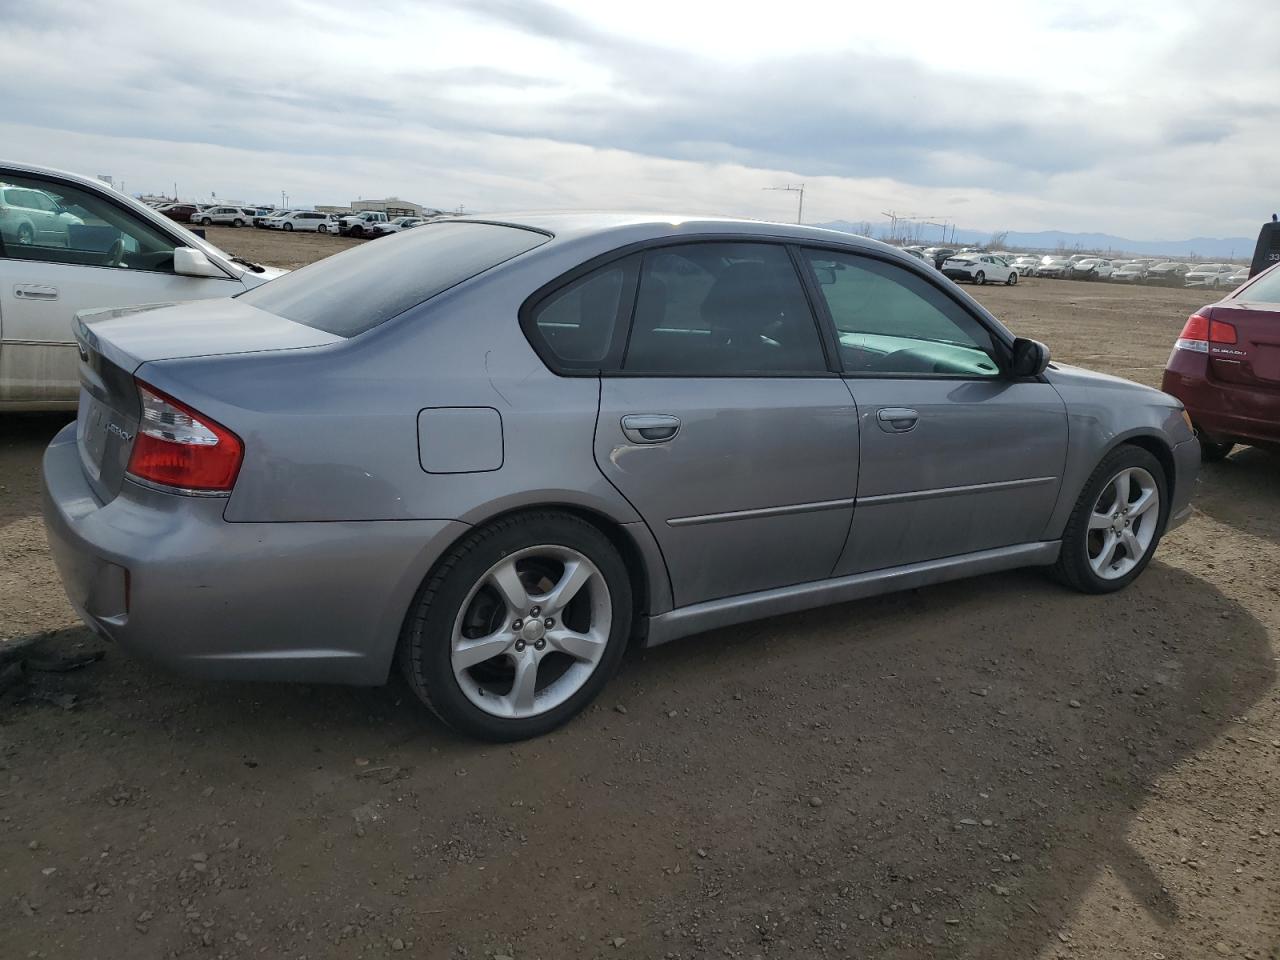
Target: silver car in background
x: 494, y: 453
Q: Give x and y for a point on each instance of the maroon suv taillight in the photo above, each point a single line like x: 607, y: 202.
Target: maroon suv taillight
x: 181, y: 448
x: 1200, y: 331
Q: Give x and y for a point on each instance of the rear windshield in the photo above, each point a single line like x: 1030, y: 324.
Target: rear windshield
x: 1264, y: 289
x: 358, y: 289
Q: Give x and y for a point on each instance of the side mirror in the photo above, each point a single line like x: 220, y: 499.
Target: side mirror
x: 1029, y: 358
x: 190, y: 262
x: 826, y: 275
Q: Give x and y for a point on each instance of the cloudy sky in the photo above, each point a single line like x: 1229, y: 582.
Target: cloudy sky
x: 1145, y: 118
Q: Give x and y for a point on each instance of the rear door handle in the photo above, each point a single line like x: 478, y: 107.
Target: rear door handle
x: 35, y: 291
x: 650, y: 427
x: 897, y: 419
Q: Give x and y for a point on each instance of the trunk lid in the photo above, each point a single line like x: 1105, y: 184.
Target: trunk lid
x: 1254, y: 359
x: 114, y: 343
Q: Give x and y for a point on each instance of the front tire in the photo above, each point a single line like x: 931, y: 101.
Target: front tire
x: 289, y: 227
x: 1013, y: 280
x: 322, y: 229
x: 237, y: 222
x: 206, y: 222
x: 518, y: 627
x: 980, y: 278
x: 1116, y: 524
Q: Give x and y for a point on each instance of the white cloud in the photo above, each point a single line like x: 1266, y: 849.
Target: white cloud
x: 1143, y: 120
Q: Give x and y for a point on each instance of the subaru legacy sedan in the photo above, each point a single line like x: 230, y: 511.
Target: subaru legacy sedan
x: 492, y: 453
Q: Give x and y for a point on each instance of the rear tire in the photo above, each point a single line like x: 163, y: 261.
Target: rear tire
x: 1215, y: 451
x: 980, y: 278
x: 477, y: 594
x: 26, y: 235
x: 1084, y: 542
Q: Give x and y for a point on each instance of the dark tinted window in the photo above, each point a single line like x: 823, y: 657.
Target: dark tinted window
x: 891, y: 321
x: 722, y: 309
x: 577, y: 323
x: 358, y: 289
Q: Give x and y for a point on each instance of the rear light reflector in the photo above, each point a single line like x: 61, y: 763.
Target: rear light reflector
x: 180, y: 448
x: 1199, y: 331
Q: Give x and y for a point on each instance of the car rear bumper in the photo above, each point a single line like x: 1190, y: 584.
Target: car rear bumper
x: 168, y: 578
x: 1222, y: 411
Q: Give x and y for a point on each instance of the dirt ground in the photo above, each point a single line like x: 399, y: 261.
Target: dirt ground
x: 996, y: 768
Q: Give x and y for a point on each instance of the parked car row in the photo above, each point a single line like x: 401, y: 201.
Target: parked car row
x: 980, y: 266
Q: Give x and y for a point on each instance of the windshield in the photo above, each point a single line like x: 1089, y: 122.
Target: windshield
x: 356, y: 290
x: 1208, y: 267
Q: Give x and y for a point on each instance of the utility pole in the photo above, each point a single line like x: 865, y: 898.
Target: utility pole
x: 794, y: 188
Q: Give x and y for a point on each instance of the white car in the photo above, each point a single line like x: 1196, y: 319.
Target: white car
x: 1211, y: 275
x: 30, y: 216
x: 97, y: 248
x: 233, y: 216
x: 1026, y: 266
x: 395, y: 226
x: 1090, y: 268
x: 308, y: 220
x: 979, y: 268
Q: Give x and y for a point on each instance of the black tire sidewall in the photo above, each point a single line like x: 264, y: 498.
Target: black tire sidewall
x: 426, y: 640
x: 1074, y: 561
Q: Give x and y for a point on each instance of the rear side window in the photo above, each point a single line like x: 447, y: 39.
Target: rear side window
x: 722, y: 309
x: 580, y: 324
x: 358, y: 289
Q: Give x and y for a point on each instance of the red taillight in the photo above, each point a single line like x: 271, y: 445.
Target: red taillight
x: 1199, y: 331
x: 181, y: 448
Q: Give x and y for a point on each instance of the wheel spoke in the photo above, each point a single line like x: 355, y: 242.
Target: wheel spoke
x: 576, y: 574
x: 581, y: 646
x: 1146, y: 500
x: 524, y: 686
x: 469, y: 653
x: 1107, y: 554
x: 1132, y: 545
x: 1121, y: 486
x: 1099, y: 521
x: 507, y: 580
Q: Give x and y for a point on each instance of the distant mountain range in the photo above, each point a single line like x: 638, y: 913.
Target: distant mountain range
x: 1240, y: 248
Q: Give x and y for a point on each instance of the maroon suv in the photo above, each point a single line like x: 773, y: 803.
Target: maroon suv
x: 1225, y: 368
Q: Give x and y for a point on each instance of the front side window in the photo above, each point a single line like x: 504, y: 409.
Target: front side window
x: 890, y: 322
x: 57, y: 223
x: 722, y: 309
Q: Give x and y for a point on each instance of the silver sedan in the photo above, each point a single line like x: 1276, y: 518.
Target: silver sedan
x: 494, y: 453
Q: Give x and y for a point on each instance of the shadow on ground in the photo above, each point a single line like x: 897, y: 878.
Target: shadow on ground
x: 937, y: 773
x: 1244, y: 492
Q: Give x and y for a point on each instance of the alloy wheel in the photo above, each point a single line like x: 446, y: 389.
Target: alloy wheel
x: 531, y: 631
x: 1123, y: 523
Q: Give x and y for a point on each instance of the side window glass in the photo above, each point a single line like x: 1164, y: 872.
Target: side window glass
x: 578, y: 323
x: 51, y: 222
x: 722, y: 309
x: 891, y: 322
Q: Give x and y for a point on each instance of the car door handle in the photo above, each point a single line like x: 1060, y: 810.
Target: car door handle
x: 897, y: 419
x: 650, y: 427
x: 35, y: 291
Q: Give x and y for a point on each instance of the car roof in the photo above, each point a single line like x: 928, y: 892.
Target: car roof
x: 623, y: 227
